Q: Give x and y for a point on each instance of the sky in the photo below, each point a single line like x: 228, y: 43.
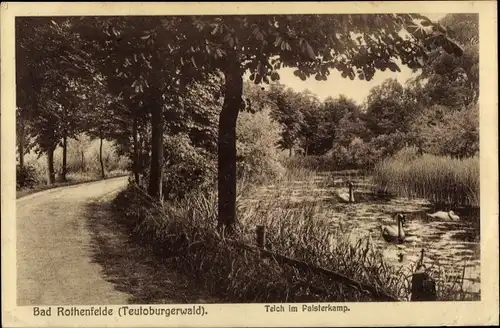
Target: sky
x: 336, y: 85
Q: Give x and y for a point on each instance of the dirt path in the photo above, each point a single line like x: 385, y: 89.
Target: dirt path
x: 70, y: 250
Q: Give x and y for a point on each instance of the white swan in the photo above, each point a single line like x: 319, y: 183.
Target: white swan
x: 346, y: 197
x: 396, y: 233
x: 442, y: 215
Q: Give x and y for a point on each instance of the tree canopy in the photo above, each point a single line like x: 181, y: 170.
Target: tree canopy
x: 138, y: 79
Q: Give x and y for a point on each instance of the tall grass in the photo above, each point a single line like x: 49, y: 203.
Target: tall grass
x: 439, y: 179
x: 301, y: 231
x: 186, y: 230
x: 311, y: 162
x: 295, y: 171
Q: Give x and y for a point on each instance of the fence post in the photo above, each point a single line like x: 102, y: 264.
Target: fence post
x: 423, y: 287
x: 261, y: 236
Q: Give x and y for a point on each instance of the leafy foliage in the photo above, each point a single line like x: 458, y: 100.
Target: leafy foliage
x: 355, y: 45
x: 26, y: 177
x: 389, y: 108
x: 135, y: 73
x: 187, y: 168
x: 156, y: 85
x: 450, y: 80
x: 287, y: 112
x: 48, y: 81
x: 442, y: 132
x: 257, y: 138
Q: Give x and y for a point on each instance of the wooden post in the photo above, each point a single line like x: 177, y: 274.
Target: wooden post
x: 261, y: 236
x: 423, y: 287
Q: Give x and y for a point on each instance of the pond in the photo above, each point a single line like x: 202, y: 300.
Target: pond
x: 453, y: 246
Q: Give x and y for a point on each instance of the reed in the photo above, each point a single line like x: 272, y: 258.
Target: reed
x: 439, y: 179
x: 300, y: 231
x: 186, y: 230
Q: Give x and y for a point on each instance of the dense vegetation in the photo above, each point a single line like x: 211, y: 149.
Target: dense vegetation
x: 83, y: 164
x: 443, y: 180
x: 166, y: 99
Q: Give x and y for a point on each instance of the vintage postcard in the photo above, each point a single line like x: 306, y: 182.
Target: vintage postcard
x: 250, y: 164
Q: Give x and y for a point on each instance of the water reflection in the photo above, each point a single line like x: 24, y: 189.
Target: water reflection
x: 451, y: 245
x: 448, y: 244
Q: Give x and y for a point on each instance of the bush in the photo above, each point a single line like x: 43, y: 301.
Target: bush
x: 358, y: 154
x: 186, y: 168
x: 337, y: 158
x: 257, y: 140
x: 443, y: 131
x: 27, y: 177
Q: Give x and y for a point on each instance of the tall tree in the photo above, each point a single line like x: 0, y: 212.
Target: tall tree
x: 286, y: 111
x: 21, y: 127
x: 136, y: 70
x: 355, y: 45
x: 45, y: 50
x: 99, y: 120
x: 136, y: 55
x: 161, y: 59
x: 68, y: 94
x: 449, y: 80
x: 342, y: 122
x: 312, y: 128
x: 388, y: 108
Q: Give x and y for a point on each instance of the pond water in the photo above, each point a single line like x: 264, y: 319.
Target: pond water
x: 454, y: 246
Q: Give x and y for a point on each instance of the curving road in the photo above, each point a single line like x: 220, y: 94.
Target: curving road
x: 53, y: 242
x: 71, y: 250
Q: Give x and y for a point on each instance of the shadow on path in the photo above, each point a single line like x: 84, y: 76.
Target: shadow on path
x: 132, y: 268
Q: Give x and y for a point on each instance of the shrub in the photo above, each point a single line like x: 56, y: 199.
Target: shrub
x: 27, y: 177
x: 186, y: 168
x: 406, y: 155
x: 310, y: 162
x: 357, y: 155
x: 337, y: 158
x: 443, y: 131
x: 257, y: 140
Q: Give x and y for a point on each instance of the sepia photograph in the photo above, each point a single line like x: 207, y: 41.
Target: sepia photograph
x: 299, y: 162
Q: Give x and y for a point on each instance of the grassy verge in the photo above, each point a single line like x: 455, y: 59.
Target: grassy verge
x: 72, y: 179
x: 186, y: 231
x: 188, y: 234
x: 440, y: 179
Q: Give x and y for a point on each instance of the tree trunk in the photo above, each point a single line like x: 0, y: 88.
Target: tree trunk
x: 144, y: 155
x: 135, y: 164
x: 155, y: 174
x: 227, y: 147
x: 103, y: 175
x: 64, y: 159
x: 83, y: 161
x: 290, y: 152
x: 21, y: 145
x: 51, y: 177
